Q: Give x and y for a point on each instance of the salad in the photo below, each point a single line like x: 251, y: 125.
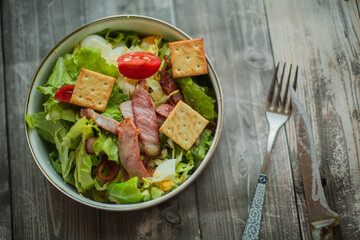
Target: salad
x: 115, y: 153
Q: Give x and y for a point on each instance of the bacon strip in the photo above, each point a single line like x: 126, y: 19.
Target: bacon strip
x: 106, y: 123
x: 164, y: 110
x: 129, y: 151
x: 89, y: 145
x: 112, y: 170
x: 160, y: 120
x: 169, y: 85
x: 126, y: 109
x: 146, y: 121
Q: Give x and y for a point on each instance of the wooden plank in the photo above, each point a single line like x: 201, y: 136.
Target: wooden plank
x: 236, y: 40
x: 177, y: 218
x: 5, y: 194
x: 325, y: 44
x: 39, y: 210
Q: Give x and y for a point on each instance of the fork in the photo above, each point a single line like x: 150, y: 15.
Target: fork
x: 277, y: 113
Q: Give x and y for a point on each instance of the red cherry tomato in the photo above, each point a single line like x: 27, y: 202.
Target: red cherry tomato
x: 64, y: 93
x: 138, y: 65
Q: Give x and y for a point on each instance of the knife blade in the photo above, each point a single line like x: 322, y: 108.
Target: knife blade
x: 322, y: 218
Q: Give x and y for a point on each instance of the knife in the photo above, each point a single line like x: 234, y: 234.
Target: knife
x: 322, y: 218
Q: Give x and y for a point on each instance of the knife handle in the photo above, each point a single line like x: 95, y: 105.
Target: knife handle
x: 252, y: 227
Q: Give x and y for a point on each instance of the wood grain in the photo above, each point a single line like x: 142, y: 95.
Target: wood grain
x: 5, y: 194
x: 325, y: 44
x: 237, y: 42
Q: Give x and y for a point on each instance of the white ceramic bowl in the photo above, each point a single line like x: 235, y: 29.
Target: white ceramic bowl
x: 34, y: 100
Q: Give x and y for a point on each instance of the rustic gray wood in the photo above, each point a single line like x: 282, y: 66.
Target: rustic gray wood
x: 243, y: 39
x: 5, y: 195
x: 323, y: 39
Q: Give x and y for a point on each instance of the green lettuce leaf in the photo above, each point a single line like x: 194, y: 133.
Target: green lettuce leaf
x: 82, y: 174
x: 99, y: 196
x: 156, y: 192
x: 58, y: 78
x: 90, y: 59
x: 94, y: 159
x: 112, y: 109
x: 197, y: 99
x: 100, y: 186
x: 46, y: 128
x: 129, y: 38
x: 69, y: 176
x: 201, y: 88
x: 55, y: 162
x: 57, y: 110
x: 114, y: 36
x: 146, y: 194
x: 184, y: 170
x: 107, y: 144
x: 79, y: 132
x: 126, y: 192
x: 163, y: 139
x: 81, y: 129
x: 197, y: 153
x: 164, y: 50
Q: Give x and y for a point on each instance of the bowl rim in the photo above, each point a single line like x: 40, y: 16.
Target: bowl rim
x: 133, y: 206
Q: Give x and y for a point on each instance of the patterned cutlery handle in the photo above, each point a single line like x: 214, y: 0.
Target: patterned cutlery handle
x: 252, y: 228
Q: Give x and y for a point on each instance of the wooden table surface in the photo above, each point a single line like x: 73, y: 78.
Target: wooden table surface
x: 243, y: 39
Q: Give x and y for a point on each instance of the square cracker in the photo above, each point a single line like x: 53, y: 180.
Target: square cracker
x: 184, y: 125
x: 92, y: 90
x: 188, y: 58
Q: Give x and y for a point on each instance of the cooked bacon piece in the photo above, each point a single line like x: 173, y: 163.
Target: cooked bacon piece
x: 164, y: 110
x: 142, y: 84
x: 160, y: 120
x: 169, y: 85
x: 112, y: 170
x: 150, y: 170
x: 126, y: 176
x: 103, y: 122
x: 126, y: 109
x: 211, y: 127
x: 146, y: 121
x: 129, y: 151
x: 89, y: 145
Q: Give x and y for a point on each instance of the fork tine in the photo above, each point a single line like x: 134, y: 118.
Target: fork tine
x: 295, y: 80
x: 277, y: 99
x: 294, y: 86
x: 272, y: 86
x: 284, y: 99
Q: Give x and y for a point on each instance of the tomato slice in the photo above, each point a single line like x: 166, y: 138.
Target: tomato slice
x: 64, y: 93
x: 138, y: 65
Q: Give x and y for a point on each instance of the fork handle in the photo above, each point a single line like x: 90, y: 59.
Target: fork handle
x: 252, y: 227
